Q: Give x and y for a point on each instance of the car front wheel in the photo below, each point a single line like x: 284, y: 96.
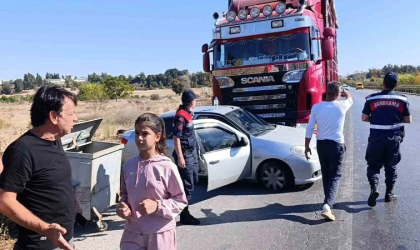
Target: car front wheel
x: 274, y: 176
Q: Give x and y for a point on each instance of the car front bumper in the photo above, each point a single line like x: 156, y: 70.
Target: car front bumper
x: 304, y: 171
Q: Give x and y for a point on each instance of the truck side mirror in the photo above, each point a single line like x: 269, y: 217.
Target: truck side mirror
x: 327, y: 49
x: 329, y: 32
x: 206, y: 58
x: 206, y: 62
x: 204, y: 48
x: 328, y: 44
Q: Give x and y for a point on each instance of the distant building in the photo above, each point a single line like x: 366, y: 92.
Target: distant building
x: 81, y: 79
x: 75, y: 78
x: 56, y: 81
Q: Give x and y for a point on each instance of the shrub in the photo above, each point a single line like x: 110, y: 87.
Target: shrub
x: 155, y: 97
x: 92, y: 92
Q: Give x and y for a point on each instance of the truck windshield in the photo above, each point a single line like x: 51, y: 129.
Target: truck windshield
x: 280, y: 48
x: 249, y: 122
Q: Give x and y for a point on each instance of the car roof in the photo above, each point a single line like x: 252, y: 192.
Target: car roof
x: 222, y: 110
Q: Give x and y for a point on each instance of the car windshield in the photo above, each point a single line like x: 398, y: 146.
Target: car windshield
x: 280, y: 48
x: 249, y: 122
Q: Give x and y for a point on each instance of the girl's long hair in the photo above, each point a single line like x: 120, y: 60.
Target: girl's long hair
x: 157, y: 125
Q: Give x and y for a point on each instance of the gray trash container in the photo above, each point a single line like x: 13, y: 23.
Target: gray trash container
x: 96, y: 170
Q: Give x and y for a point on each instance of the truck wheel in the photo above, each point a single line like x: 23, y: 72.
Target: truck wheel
x: 274, y: 176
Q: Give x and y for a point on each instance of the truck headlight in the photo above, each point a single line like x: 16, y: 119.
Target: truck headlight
x: 293, y: 76
x: 225, y: 81
x: 280, y: 8
x: 231, y: 15
x: 242, y: 14
x: 268, y: 10
x: 299, y: 150
x: 255, y: 12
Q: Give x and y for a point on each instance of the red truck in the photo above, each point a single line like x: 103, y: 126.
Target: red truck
x: 273, y: 58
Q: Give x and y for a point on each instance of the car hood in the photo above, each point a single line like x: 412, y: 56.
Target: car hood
x: 286, y: 135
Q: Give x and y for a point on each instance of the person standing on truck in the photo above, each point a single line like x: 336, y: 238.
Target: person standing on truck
x: 329, y: 116
x: 36, y: 188
x: 185, y: 153
x: 386, y: 111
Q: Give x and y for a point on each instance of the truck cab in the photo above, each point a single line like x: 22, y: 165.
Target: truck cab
x: 274, y: 58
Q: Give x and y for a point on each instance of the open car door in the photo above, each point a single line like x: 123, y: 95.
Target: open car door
x: 226, y: 152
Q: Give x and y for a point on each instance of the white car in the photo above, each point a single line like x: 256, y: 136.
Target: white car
x: 235, y: 144
x: 346, y: 87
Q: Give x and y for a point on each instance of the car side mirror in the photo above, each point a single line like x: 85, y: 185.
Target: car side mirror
x: 243, y: 142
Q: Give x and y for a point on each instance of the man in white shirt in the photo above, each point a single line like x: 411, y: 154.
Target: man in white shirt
x: 329, y: 117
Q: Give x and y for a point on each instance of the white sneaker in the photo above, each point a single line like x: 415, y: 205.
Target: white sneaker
x: 326, y: 213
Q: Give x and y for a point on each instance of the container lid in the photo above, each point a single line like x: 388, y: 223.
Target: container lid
x: 81, y: 134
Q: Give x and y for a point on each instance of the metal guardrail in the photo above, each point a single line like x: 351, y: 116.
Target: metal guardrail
x: 413, y: 90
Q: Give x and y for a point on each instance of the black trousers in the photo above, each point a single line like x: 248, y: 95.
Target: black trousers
x: 331, y: 156
x: 189, y: 174
x: 383, y: 151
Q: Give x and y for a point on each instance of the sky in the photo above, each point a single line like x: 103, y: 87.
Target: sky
x: 79, y: 37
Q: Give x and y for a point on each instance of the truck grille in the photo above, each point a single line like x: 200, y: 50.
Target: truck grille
x: 275, y: 102
x: 259, y: 98
x: 260, y: 88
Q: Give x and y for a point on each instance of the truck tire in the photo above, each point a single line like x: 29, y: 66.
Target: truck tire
x: 275, y: 176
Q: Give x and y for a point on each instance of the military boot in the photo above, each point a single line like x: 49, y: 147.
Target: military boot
x: 373, y: 195
x: 389, y: 195
x: 187, y: 218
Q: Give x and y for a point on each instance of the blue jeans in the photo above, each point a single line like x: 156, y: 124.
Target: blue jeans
x: 331, y: 156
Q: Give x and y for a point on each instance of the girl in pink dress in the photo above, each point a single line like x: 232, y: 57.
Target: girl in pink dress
x: 152, y: 193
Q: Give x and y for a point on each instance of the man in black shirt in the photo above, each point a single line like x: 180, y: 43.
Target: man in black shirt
x: 36, y: 186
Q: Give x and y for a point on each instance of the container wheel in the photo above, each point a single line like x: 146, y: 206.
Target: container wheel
x: 102, y: 226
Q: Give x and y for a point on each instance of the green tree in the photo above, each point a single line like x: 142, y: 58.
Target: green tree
x: 92, y: 92
x: 5, y: 89
x: 38, y: 80
x: 94, y: 78
x: 154, y: 85
x: 18, y: 85
x: 68, y: 82
x: 104, y: 76
x: 180, y: 84
x: 117, y: 89
x: 130, y: 79
x: 123, y: 78
x: 28, y: 81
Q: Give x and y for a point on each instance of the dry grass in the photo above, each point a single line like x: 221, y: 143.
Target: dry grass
x: 116, y: 115
x: 4, y: 124
x: 6, y: 243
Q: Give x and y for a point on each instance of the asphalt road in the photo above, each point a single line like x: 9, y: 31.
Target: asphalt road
x: 245, y: 216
